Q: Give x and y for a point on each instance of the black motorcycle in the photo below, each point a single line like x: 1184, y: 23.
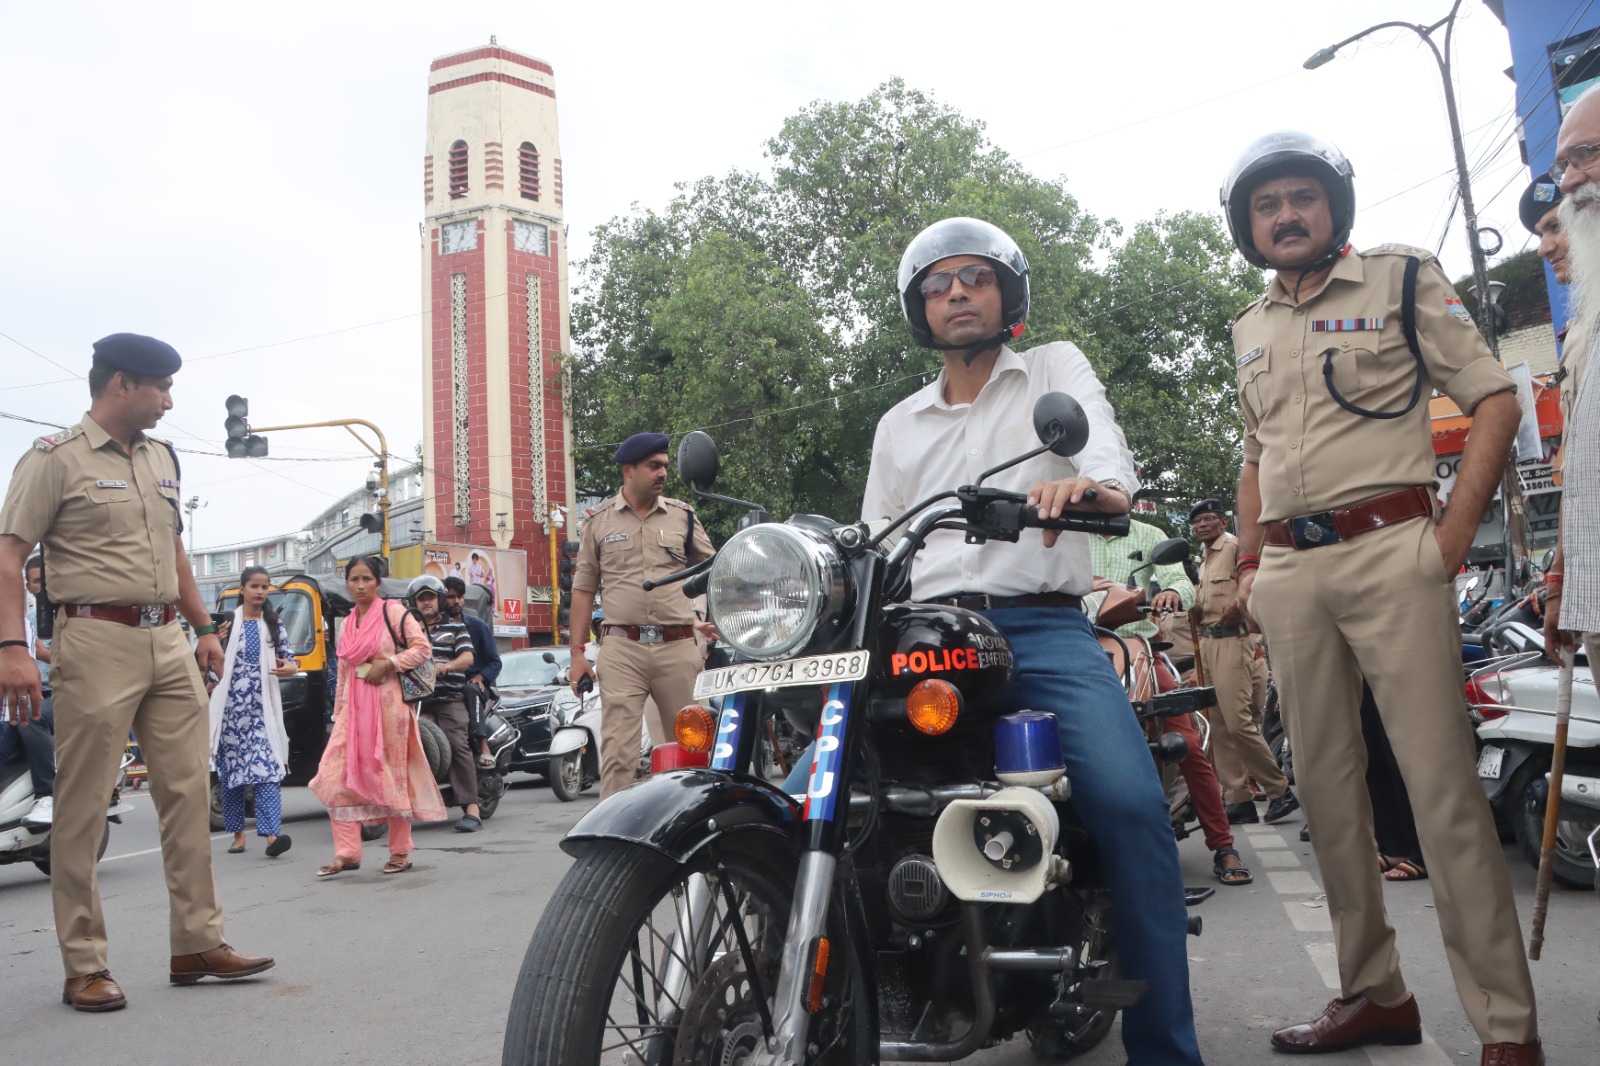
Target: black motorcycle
x: 932, y: 893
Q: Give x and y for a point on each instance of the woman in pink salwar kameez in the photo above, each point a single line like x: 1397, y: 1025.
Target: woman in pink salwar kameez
x: 374, y: 768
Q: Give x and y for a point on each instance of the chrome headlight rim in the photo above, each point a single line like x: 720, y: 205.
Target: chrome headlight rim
x: 821, y: 567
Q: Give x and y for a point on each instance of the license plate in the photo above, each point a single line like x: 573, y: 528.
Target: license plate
x: 811, y: 670
x: 1489, y: 762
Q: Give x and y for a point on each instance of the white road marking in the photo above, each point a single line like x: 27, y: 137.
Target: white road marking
x: 153, y: 851
x: 1326, y: 962
x: 1294, y: 883
x: 1281, y: 860
x: 1308, y: 919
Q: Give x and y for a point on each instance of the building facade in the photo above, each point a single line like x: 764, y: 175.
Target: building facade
x: 496, y: 441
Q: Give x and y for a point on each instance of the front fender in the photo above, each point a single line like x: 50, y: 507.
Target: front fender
x: 569, y: 738
x: 679, y: 812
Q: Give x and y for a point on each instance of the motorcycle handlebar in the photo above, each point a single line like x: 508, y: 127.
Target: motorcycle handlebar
x: 1110, y: 525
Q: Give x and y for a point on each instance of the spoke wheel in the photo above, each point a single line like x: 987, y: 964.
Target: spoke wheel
x: 638, y: 962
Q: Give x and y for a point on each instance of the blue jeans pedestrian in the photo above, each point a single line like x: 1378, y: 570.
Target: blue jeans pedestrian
x: 1060, y: 668
x: 38, y: 742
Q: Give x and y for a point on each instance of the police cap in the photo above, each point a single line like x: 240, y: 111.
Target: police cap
x: 1541, y: 195
x: 641, y: 446
x: 1208, y: 507
x: 135, y: 354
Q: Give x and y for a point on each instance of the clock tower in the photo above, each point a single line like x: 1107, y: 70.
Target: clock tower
x: 494, y: 294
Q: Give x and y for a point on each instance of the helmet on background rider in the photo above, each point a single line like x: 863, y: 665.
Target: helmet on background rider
x: 964, y: 236
x: 1274, y: 156
x: 419, y: 585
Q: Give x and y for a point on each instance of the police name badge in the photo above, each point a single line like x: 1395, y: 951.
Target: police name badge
x: 1251, y: 356
x: 614, y: 537
x: 110, y: 484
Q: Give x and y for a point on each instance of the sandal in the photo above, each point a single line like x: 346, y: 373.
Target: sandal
x: 398, y: 864
x: 1405, y: 870
x: 486, y: 761
x: 339, y: 866
x: 1230, y: 875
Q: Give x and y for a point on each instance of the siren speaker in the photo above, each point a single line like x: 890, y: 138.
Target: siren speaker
x: 999, y: 849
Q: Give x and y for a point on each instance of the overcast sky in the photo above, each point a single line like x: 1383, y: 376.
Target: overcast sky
x: 245, y: 181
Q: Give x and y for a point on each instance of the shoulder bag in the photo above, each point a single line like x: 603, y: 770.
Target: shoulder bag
x: 417, y: 683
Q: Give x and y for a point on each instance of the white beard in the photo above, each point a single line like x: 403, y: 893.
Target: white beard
x: 1579, y: 213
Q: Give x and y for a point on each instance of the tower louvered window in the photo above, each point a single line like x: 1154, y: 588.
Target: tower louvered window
x: 458, y: 169
x: 528, y: 180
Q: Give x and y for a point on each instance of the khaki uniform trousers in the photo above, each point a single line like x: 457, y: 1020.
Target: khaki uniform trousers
x: 109, y: 678
x: 1381, y: 605
x: 629, y: 672
x: 1237, y: 746
x: 1259, y: 676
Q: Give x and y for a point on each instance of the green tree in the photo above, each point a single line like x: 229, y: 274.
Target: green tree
x: 764, y: 308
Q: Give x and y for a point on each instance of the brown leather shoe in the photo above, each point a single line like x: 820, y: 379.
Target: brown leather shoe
x: 93, y: 992
x: 221, y: 961
x: 1529, y: 1054
x: 1348, y: 1023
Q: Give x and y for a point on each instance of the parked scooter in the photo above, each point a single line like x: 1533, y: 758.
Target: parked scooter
x: 20, y: 843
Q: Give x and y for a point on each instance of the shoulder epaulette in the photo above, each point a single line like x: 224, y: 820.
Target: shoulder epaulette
x: 676, y: 503
x: 590, y: 512
x: 53, y: 440
x: 1401, y: 250
x: 1253, y: 305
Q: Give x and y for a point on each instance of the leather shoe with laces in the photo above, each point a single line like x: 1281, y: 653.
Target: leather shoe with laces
x: 221, y: 961
x: 93, y: 992
x: 1242, y: 813
x: 1348, y: 1023
x: 1281, y: 807
x: 1507, y: 1054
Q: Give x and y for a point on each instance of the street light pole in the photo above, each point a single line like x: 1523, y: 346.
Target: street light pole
x: 190, y: 506
x: 381, y: 453
x: 1510, y: 487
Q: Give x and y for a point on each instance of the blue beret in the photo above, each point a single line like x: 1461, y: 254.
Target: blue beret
x: 640, y: 447
x: 1537, y: 200
x: 135, y: 354
x: 1207, y: 507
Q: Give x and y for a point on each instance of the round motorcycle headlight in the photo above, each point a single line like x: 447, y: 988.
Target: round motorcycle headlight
x: 770, y: 587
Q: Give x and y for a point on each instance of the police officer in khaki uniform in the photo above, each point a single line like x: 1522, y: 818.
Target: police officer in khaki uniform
x: 649, y: 648
x: 1228, y: 652
x: 1349, y: 569
x: 102, y: 499
x: 1539, y: 212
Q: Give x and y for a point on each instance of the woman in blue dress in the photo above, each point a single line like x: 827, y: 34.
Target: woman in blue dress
x: 248, y: 744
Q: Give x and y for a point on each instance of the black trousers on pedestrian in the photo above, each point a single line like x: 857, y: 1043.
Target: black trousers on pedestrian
x: 1392, y: 821
x: 450, y: 715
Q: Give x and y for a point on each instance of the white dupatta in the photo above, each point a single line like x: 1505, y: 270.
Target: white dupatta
x: 271, y: 700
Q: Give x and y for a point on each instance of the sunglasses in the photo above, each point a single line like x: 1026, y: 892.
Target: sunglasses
x: 973, y: 276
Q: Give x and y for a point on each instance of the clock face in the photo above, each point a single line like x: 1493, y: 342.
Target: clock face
x: 531, y: 237
x: 460, y: 236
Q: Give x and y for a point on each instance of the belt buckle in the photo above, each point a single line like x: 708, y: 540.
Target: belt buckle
x: 151, y: 615
x: 651, y: 635
x: 1314, y: 530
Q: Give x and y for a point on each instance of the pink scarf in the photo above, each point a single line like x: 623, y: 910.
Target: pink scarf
x: 361, y: 641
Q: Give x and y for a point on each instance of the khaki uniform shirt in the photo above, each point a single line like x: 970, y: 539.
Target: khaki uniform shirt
x: 108, y: 521
x: 1313, y: 454
x: 618, y: 552
x: 1217, y: 586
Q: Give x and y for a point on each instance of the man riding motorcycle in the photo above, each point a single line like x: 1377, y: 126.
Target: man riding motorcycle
x: 964, y: 291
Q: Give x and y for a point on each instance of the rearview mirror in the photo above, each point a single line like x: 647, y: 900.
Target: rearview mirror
x: 698, y: 461
x: 1170, y: 551
x: 1058, y: 420
x: 549, y: 657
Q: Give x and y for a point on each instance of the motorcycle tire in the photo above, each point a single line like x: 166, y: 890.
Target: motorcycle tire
x: 218, y: 824
x: 1572, y: 868
x: 566, y: 776
x: 43, y: 864
x: 436, y: 746
x: 369, y: 833
x: 608, y: 928
x: 491, y: 786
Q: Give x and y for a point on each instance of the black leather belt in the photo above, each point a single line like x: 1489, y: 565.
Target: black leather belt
x: 978, y: 601
x: 1220, y: 632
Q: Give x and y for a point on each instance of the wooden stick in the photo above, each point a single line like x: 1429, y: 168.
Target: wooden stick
x: 1552, y: 807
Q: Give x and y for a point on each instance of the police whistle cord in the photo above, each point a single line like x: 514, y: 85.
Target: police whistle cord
x: 1408, y: 324
x: 1552, y: 807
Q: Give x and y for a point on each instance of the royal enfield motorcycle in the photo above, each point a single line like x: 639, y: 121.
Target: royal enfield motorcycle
x: 931, y: 893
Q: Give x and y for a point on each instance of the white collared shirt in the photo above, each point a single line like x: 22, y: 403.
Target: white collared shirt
x: 925, y: 445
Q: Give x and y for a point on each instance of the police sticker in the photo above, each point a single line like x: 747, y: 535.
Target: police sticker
x: 110, y: 484
x: 1251, y: 356
x: 1454, y: 305
x: 614, y: 537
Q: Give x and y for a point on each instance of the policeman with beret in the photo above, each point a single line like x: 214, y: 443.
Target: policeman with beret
x: 1349, y: 565
x: 102, y: 499
x: 1538, y: 210
x: 648, y: 648
x: 1230, y: 653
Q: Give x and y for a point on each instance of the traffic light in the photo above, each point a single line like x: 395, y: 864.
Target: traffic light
x: 568, y: 566
x: 564, y: 616
x: 372, y: 522
x: 241, y: 443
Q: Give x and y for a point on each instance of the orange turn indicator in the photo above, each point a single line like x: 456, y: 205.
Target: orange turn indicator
x: 819, y: 974
x: 694, y: 727
x: 933, y: 706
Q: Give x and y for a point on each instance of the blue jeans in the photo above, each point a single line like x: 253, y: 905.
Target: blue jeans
x: 1061, y: 668
x: 38, y: 742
